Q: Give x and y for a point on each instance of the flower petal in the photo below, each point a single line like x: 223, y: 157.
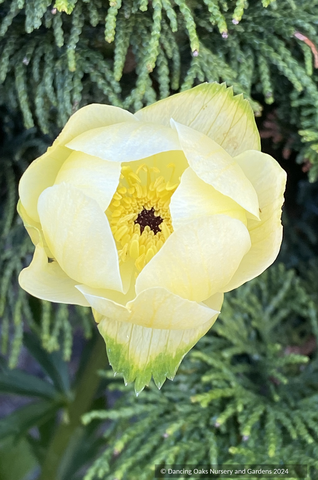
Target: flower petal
x: 48, y: 281
x: 139, y: 353
x: 32, y: 227
x: 269, y: 181
x: 126, y: 142
x: 194, y: 198
x: 216, y: 167
x: 213, y: 110
x: 42, y: 173
x: 198, y: 259
x: 92, y: 116
x: 152, y: 308
x: 97, y: 178
x: 78, y: 234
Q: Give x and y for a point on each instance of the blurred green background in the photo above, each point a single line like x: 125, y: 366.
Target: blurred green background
x: 247, y: 393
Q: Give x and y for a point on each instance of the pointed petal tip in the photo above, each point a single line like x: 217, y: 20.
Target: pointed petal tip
x: 148, y: 353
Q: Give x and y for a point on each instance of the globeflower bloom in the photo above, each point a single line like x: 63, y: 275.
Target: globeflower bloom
x: 150, y: 218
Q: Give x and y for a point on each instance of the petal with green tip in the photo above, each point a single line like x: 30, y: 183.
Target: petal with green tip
x: 212, y: 109
x: 139, y: 353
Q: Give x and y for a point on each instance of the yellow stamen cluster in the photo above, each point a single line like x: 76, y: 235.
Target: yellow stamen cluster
x: 139, y: 213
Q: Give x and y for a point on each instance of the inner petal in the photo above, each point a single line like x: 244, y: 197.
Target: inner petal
x: 96, y: 178
x: 194, y: 198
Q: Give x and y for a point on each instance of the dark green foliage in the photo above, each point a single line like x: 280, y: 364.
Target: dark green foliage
x: 130, y: 53
x: 251, y: 381
x: 301, y: 228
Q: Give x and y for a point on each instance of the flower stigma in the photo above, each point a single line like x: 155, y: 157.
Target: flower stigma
x: 139, y: 214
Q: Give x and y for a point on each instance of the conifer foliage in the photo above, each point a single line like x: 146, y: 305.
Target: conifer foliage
x: 58, y: 57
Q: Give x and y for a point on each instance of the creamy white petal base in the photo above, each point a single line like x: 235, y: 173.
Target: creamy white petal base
x: 153, y: 308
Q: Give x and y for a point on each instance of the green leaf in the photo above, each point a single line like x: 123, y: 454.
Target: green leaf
x: 20, y: 383
x: 51, y: 363
x: 21, y: 420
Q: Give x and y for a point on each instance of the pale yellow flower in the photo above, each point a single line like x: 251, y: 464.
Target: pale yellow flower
x: 150, y: 218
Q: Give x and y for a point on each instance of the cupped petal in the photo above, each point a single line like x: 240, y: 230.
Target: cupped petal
x: 215, y: 301
x: 216, y: 167
x: 92, y: 116
x: 34, y: 229
x: 139, y: 352
x: 42, y: 173
x: 46, y: 280
x: 212, y: 109
x: 97, y: 178
x: 194, y: 198
x: 198, y: 259
x: 152, y: 308
x: 126, y: 142
x: 269, y: 181
x: 78, y: 234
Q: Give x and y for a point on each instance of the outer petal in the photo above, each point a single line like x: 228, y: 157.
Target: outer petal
x: 212, y: 110
x: 198, y: 259
x: 152, y: 308
x: 194, y: 198
x: 217, y: 168
x: 40, y: 175
x: 42, y: 172
x: 269, y: 181
x: 48, y: 281
x: 126, y: 142
x: 78, y: 234
x: 96, y: 178
x: 33, y: 228
x: 92, y: 116
x: 139, y: 352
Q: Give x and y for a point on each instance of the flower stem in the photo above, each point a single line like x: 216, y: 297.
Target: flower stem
x: 55, y: 458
